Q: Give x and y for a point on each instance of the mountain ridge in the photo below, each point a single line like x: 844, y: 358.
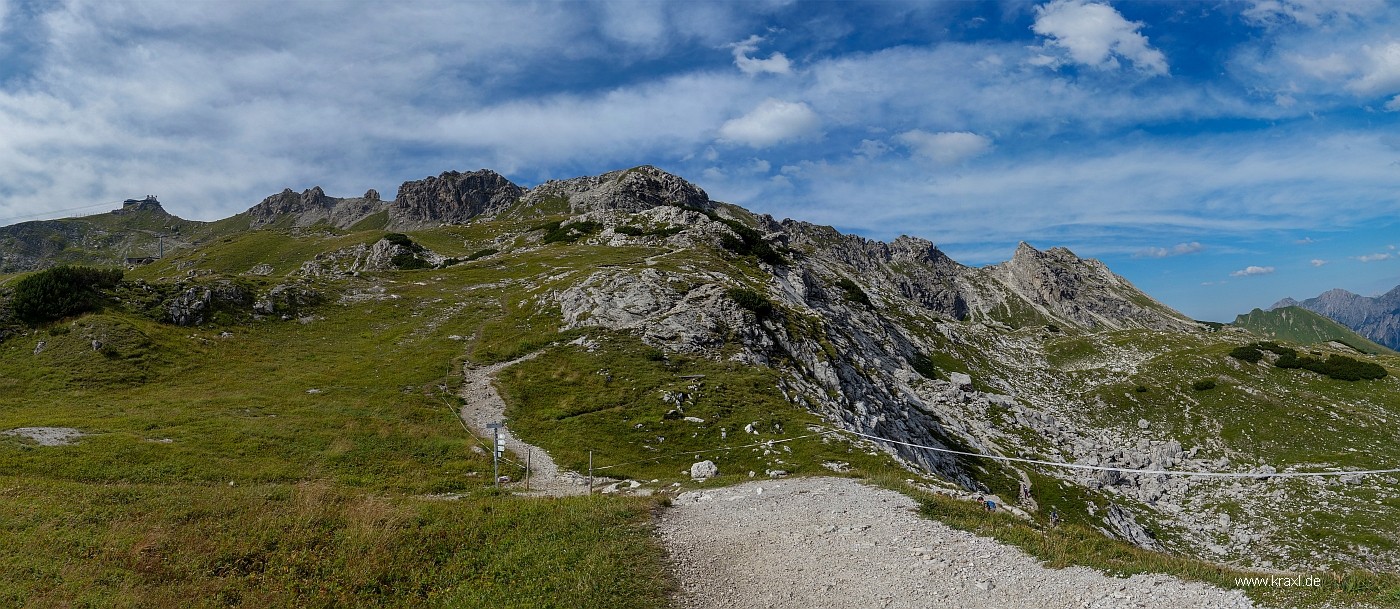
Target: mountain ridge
x: 1376, y: 318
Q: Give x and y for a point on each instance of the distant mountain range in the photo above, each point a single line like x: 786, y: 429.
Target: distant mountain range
x: 1376, y: 318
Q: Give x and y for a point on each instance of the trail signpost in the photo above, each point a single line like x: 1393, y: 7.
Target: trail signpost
x: 496, y: 454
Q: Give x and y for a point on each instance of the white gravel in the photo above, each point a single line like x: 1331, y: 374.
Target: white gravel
x: 836, y: 543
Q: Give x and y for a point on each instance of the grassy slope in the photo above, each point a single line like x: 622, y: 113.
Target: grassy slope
x: 1299, y: 325
x: 270, y: 495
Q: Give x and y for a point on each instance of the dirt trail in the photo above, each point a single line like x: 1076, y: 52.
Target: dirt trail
x: 484, y: 405
x: 835, y: 543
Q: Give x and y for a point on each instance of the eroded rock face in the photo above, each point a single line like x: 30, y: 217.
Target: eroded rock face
x: 1059, y: 284
x: 312, y: 206
x: 452, y: 198
x: 632, y: 190
x: 192, y: 306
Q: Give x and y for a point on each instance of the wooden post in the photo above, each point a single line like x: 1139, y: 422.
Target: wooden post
x: 590, y: 473
x: 529, y: 456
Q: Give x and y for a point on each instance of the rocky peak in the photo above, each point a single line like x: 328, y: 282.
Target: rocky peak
x: 452, y: 197
x: 631, y: 190
x: 1084, y: 292
x: 272, y: 208
x: 914, y: 249
x: 311, y: 206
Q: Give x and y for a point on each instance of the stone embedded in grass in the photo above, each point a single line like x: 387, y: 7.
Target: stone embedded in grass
x: 703, y: 470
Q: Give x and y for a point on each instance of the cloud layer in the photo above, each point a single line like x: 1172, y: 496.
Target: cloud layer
x: 1135, y: 132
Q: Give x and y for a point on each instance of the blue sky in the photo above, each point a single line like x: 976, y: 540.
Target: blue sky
x: 1220, y: 155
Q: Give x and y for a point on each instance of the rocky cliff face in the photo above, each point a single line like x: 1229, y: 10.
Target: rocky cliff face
x: 630, y: 190
x: 1058, y: 285
x: 452, y: 198
x: 313, y: 206
x: 1375, y: 318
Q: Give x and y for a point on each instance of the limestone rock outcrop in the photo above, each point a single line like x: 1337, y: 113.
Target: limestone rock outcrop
x: 452, y: 198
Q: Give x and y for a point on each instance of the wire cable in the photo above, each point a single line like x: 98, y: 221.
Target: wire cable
x: 1144, y: 472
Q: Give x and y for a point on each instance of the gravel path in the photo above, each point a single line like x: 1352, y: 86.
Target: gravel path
x: 484, y: 405
x: 835, y: 543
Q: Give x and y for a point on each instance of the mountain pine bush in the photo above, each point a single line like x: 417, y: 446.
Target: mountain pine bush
x: 61, y: 292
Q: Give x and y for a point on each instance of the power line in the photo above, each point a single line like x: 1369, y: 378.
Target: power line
x: 1141, y: 472
x: 57, y: 211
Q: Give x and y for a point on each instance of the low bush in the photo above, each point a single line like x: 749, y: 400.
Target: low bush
x: 853, y: 291
x: 482, y: 253
x: 1203, y: 385
x: 751, y: 300
x: 61, y: 292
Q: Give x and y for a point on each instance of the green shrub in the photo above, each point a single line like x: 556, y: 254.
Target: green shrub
x: 751, y: 300
x: 923, y: 365
x: 478, y: 254
x: 1052, y: 328
x: 407, y: 261
x: 635, y: 231
x: 1141, y: 389
x: 61, y: 292
x: 853, y: 291
x: 1338, y: 367
x: 402, y: 240
x: 569, y: 233
x: 1203, y: 385
x: 1248, y: 353
x: 748, y: 242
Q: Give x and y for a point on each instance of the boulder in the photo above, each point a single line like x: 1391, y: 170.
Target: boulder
x: 704, y: 470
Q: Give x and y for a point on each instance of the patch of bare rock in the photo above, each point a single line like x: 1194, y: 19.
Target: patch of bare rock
x: 836, y: 543
x: 47, y: 436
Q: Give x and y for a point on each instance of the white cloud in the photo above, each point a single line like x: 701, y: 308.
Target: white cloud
x: 1393, y: 105
x: 948, y: 147
x: 1179, y: 249
x: 1252, y: 270
x: 1096, y: 35
x: 1381, y: 73
x: 636, y: 23
x: 871, y: 149
x: 1375, y: 257
x: 771, y: 122
x: 1311, y: 13
x: 1317, y: 262
x: 777, y: 63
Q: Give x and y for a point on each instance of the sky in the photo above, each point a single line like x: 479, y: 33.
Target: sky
x: 1220, y: 155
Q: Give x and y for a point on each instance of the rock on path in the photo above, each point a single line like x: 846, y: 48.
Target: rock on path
x: 836, y: 543
x: 484, y: 405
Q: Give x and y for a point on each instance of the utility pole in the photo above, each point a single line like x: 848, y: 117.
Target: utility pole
x: 496, y: 454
